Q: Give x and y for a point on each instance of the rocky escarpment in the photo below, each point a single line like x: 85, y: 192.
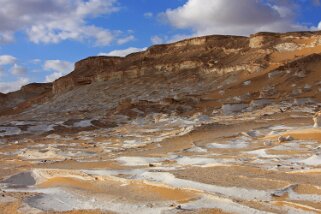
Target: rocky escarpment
x: 286, y: 41
x: 26, y: 96
x: 210, y: 55
x: 203, y: 55
x: 2, y: 97
x: 223, y: 70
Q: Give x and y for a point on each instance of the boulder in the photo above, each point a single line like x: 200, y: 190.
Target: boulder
x: 283, y: 139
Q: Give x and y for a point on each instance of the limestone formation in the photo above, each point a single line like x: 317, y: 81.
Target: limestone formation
x: 317, y: 119
x: 257, y: 41
x: 284, y: 47
x: 213, y: 64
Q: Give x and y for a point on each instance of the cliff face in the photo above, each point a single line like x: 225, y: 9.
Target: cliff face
x: 193, y: 54
x: 26, y: 96
x: 215, y: 55
x: 86, y: 71
x: 210, y: 63
x: 2, y: 98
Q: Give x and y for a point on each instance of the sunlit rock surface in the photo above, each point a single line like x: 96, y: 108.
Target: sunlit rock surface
x: 317, y: 120
x: 216, y: 124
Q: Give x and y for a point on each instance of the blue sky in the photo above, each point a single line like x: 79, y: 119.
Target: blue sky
x: 41, y: 39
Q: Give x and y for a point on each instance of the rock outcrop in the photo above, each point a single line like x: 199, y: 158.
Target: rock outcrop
x: 238, y: 71
x: 25, y: 97
x: 197, y: 54
x: 209, y: 110
x: 210, y: 55
x: 317, y: 119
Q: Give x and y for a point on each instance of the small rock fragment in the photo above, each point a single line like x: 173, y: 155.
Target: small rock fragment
x: 284, y: 191
x: 284, y: 109
x: 289, y: 138
x: 283, y: 139
x: 178, y: 207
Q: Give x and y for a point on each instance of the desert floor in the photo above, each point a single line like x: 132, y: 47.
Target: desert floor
x: 173, y: 164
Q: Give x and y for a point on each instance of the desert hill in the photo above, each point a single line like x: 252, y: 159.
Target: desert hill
x: 214, y: 124
x: 245, y: 69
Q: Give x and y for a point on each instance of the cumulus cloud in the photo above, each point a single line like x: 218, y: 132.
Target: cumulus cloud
x: 10, y: 67
x: 18, y: 70
x: 233, y: 17
x: 157, y: 40
x: 52, y: 21
x: 52, y: 77
x: 36, y: 61
x: 124, y: 40
x: 7, y: 59
x: 123, y: 52
x: 6, y: 87
x: 6, y: 37
x: 58, y: 68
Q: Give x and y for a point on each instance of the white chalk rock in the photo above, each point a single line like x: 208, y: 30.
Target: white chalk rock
x: 317, y: 119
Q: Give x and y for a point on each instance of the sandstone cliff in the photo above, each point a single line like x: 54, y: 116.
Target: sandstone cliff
x: 219, y: 69
x: 215, y: 55
x: 26, y: 96
x: 191, y: 54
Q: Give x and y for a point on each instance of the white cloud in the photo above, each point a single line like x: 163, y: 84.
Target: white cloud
x: 318, y: 27
x: 6, y: 37
x: 148, y: 15
x: 178, y: 37
x: 6, y: 87
x: 7, y: 59
x: 124, y: 40
x: 1, y: 71
x: 58, y: 67
x: 170, y: 39
x: 123, y: 52
x: 15, y: 69
x: 156, y: 40
x: 8, y: 64
x: 52, y: 77
x: 36, y: 61
x: 52, y: 21
x: 18, y: 70
x: 232, y: 17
